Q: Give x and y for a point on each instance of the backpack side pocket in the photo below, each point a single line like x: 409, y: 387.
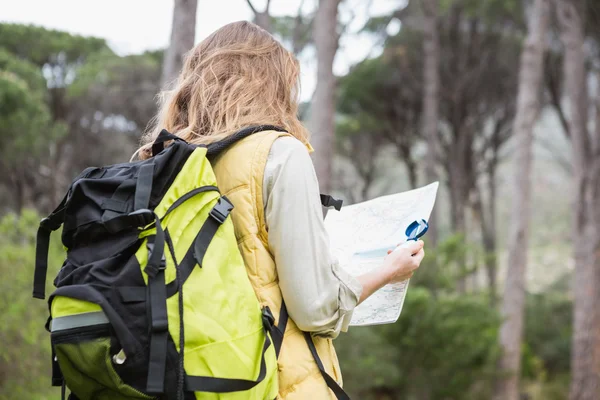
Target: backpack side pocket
x: 89, y: 355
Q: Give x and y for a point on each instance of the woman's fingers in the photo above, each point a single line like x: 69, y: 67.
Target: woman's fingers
x: 403, y: 261
x: 414, y: 246
x: 419, y: 257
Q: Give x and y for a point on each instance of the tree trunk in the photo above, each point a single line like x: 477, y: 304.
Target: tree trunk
x: 411, y: 168
x: 482, y: 216
x: 585, y: 354
x: 262, y: 18
x: 528, y: 106
x: 457, y: 186
x: 431, y: 53
x: 490, y: 236
x: 183, y: 33
x: 323, y: 104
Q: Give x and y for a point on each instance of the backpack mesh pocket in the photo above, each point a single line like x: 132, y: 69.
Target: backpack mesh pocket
x: 87, y: 364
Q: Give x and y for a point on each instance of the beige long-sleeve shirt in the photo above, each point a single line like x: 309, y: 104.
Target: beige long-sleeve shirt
x: 319, y: 295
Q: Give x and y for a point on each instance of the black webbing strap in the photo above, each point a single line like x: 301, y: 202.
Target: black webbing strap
x: 47, y: 226
x: 186, y: 267
x: 329, y: 201
x: 217, y: 147
x: 159, y: 324
x: 278, y: 331
x: 225, y: 385
x: 41, y: 261
x: 143, y: 187
x: 159, y: 334
x: 189, y: 195
x: 57, y: 376
x: 331, y: 383
x: 128, y: 342
x: 217, y: 216
x: 135, y: 219
x: 197, y: 250
x: 159, y: 142
x: 181, y: 395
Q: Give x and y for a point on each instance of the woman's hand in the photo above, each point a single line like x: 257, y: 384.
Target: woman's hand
x: 398, y: 266
x: 401, y: 262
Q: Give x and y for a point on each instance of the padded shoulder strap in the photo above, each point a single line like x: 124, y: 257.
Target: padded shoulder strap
x: 217, y: 147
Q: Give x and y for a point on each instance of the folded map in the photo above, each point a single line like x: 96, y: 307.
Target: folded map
x: 362, y: 233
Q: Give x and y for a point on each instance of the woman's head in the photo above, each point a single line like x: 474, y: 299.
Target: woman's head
x: 239, y: 76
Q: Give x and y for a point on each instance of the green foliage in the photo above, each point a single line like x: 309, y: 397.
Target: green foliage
x: 452, y: 260
x: 42, y: 46
x: 29, y: 72
x: 121, y: 89
x: 50, y: 77
x: 25, y: 357
x: 445, y: 347
x: 381, y: 97
x: 545, y: 365
x: 378, y: 25
x: 105, y: 69
x: 357, y: 89
x: 501, y: 13
x: 26, y: 126
x: 548, y: 331
x: 24, y: 116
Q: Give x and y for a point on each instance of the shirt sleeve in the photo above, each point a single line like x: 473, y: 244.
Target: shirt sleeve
x: 319, y: 295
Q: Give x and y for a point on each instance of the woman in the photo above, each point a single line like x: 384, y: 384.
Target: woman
x: 241, y: 76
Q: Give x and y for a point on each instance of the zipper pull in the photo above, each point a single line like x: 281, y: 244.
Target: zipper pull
x: 119, y: 358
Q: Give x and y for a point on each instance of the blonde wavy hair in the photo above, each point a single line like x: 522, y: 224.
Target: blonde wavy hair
x: 237, y: 77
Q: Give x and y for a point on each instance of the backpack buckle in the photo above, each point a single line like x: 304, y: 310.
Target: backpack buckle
x: 221, y: 210
x: 142, y: 217
x: 268, y: 318
x: 152, y: 272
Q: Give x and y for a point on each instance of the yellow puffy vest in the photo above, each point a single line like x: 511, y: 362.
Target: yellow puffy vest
x: 239, y: 172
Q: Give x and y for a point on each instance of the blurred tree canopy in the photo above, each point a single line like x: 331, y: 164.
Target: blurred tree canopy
x: 70, y: 94
x: 381, y: 99
x: 26, y: 126
x: 47, y: 47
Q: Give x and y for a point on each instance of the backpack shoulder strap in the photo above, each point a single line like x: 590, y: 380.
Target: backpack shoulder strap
x: 277, y: 333
x: 217, y: 147
x: 340, y: 394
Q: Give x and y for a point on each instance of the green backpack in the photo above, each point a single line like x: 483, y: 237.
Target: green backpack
x: 153, y: 300
x: 152, y: 268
